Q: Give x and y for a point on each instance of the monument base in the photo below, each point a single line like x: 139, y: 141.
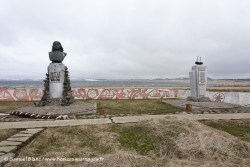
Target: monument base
x: 198, y: 99
x: 55, y: 93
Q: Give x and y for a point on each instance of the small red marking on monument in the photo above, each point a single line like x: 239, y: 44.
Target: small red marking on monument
x: 158, y: 93
x: 21, y: 94
x: 166, y: 94
x: 175, y: 91
x: 107, y: 94
x: 92, y: 94
x: 82, y: 93
x: 219, y: 97
x: 75, y: 93
x: 5, y: 95
x: 154, y: 93
x: 120, y: 94
x: 35, y: 94
x: 138, y: 93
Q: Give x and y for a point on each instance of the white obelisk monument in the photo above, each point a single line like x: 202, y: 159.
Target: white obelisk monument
x: 198, y: 79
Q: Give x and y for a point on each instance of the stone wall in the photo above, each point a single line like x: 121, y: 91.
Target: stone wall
x: 28, y: 94
x: 241, y: 98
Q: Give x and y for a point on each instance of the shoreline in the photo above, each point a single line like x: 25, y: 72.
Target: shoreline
x: 212, y: 88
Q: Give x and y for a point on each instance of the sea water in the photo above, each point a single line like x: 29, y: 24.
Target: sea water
x: 96, y: 83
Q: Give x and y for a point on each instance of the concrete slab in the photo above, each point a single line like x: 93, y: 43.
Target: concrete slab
x: 21, y: 135
x: 31, y: 131
x: 128, y: 119
x: 9, y: 143
x: 6, y: 157
x: 22, y: 139
x: 213, y: 116
x: 182, y: 116
x: 8, y: 148
x: 36, y: 124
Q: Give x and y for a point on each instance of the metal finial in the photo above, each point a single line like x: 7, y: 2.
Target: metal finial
x: 198, y: 62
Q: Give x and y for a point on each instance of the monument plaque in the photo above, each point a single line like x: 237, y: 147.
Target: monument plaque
x: 56, y: 78
x: 202, y: 77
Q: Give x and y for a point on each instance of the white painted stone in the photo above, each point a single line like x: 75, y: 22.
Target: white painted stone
x: 3, y: 114
x: 56, y: 79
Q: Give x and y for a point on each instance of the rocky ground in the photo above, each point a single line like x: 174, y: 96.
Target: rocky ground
x: 77, y: 108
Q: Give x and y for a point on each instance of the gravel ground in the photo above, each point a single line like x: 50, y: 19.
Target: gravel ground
x: 77, y: 107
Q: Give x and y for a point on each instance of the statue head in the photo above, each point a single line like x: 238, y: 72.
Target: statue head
x: 57, y: 46
x: 57, y: 55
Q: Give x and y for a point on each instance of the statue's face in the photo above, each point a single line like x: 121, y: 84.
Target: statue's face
x: 57, y: 46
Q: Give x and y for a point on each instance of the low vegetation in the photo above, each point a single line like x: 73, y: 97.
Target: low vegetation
x: 138, y: 106
x: 12, y: 105
x: 157, y: 142
x: 238, y: 128
x: 4, y: 134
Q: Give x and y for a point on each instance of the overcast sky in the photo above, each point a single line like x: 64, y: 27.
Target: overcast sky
x: 125, y: 39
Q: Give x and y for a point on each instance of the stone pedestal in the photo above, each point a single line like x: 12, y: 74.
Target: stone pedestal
x: 56, y: 79
x: 198, y: 81
x: 57, y: 89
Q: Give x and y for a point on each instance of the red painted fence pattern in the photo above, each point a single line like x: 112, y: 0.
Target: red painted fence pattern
x: 28, y: 94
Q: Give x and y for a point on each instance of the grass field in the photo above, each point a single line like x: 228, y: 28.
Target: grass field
x: 12, y: 105
x: 113, y: 107
x: 238, y: 128
x: 142, y: 106
x: 4, y: 134
x: 158, y: 142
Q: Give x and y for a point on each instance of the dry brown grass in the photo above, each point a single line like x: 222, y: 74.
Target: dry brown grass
x: 239, y: 128
x: 12, y: 105
x: 135, y: 106
x: 6, y: 133
x: 213, y: 146
x: 180, y: 143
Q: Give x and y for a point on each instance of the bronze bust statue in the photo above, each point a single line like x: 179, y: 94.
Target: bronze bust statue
x: 57, y: 55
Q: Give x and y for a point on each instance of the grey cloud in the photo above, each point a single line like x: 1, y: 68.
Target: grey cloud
x: 126, y: 39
